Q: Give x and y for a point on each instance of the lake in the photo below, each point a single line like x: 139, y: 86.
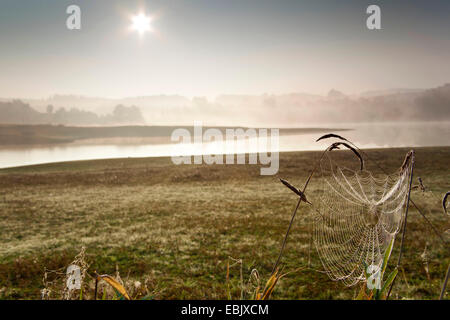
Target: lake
x: 365, y: 135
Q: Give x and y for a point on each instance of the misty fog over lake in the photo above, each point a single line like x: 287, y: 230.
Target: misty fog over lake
x: 365, y: 135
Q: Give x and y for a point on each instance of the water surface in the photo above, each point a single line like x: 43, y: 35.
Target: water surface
x: 365, y: 135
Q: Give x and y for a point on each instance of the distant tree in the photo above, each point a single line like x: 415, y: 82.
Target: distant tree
x: 129, y: 115
x: 17, y: 111
x: 49, y: 108
x: 334, y: 94
x: 433, y: 104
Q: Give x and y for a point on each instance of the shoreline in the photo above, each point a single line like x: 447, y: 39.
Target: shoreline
x: 163, y: 158
x: 17, y: 135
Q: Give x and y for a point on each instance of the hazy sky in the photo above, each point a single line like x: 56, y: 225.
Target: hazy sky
x: 210, y: 47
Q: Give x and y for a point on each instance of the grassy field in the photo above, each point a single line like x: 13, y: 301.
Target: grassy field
x: 174, y: 227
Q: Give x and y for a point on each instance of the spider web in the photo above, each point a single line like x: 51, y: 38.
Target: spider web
x: 356, y: 217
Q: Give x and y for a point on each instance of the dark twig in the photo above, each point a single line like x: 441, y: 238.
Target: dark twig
x: 404, y: 221
x: 444, y: 201
x: 96, y: 285
x: 296, y: 208
x: 331, y: 135
x: 286, y: 236
x: 295, y: 190
x: 336, y: 146
x: 444, y: 285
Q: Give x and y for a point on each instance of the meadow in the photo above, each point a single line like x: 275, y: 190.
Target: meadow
x: 174, y: 228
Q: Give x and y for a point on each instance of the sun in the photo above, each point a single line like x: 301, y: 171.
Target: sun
x: 141, y: 23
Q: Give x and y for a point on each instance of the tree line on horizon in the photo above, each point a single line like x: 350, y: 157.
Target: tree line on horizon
x: 296, y: 108
x: 18, y: 112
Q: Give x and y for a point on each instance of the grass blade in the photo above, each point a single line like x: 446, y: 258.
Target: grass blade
x: 116, y: 285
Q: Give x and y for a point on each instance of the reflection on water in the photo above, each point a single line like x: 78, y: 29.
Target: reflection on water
x: 374, y: 135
